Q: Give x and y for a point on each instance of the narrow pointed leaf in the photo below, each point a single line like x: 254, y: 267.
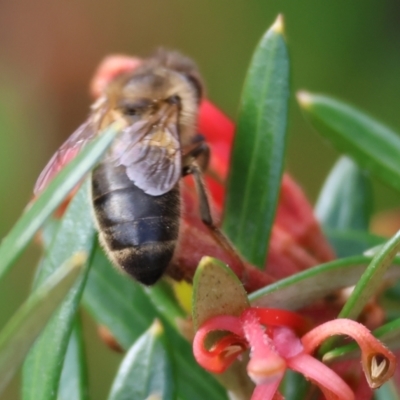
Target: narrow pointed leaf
x: 259, y: 148
x: 147, y: 369
x: 389, y: 334
x: 315, y: 283
x: 37, y: 213
x: 391, y: 300
x: 371, y: 279
x: 163, y: 298
x: 345, y: 201
x: 48, y: 232
x: 389, y: 391
x: 74, y: 379
x: 193, y: 382
x: 371, y: 144
x: 42, y: 368
x: 121, y: 304
x: 116, y: 301
x: 236, y: 379
x: 216, y: 291
x: 294, y: 386
x: 350, y: 243
x: 24, y: 327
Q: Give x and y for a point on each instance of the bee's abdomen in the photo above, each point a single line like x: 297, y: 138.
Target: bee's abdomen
x: 138, y: 230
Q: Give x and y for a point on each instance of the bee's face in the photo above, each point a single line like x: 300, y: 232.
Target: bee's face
x: 152, y: 95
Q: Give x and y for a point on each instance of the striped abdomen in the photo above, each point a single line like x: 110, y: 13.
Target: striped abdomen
x: 138, y: 230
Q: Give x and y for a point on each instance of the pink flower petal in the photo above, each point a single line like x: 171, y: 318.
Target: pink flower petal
x: 286, y: 342
x: 329, y: 382
x: 268, y: 391
x: 265, y: 365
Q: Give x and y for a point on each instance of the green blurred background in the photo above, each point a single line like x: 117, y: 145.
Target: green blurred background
x: 49, y: 51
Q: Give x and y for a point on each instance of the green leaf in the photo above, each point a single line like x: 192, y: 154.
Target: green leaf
x: 74, y: 380
x: 259, y: 148
x: 121, y: 304
x: 371, y: 279
x: 42, y: 368
x: 48, y: 232
x: 389, y: 334
x: 116, y: 301
x: 315, y: 283
x: 345, y: 201
x: 371, y: 144
x: 26, y: 324
x: 146, y: 371
x: 236, y: 379
x: 391, y: 298
x: 193, y: 382
x: 163, y: 298
x: 350, y: 243
x: 389, y: 391
x: 37, y: 213
x: 294, y: 386
x: 216, y: 291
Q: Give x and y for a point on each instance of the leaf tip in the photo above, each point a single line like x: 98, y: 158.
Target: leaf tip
x: 329, y: 356
x: 204, y: 262
x: 78, y: 259
x: 278, y: 26
x: 304, y: 98
x: 156, y: 328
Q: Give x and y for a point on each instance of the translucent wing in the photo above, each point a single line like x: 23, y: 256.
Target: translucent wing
x: 68, y: 150
x: 151, y: 155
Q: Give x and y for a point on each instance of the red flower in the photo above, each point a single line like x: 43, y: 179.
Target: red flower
x: 272, y: 336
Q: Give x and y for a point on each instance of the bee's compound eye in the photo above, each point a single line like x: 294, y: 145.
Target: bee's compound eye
x: 130, y: 111
x: 175, y: 99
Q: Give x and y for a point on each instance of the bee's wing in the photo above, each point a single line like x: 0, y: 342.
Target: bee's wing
x: 152, y: 156
x: 68, y: 150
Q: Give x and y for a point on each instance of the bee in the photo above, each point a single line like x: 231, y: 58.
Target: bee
x: 135, y: 188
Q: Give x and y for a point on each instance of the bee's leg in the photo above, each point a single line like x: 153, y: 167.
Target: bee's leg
x: 205, y: 211
x: 197, y: 151
x: 195, y: 159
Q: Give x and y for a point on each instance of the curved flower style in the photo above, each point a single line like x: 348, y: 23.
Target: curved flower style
x: 272, y: 336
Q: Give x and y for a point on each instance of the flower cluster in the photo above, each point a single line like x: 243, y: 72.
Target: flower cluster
x: 273, y: 338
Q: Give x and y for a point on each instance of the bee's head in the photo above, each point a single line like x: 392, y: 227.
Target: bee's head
x: 175, y: 61
x: 154, y: 90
